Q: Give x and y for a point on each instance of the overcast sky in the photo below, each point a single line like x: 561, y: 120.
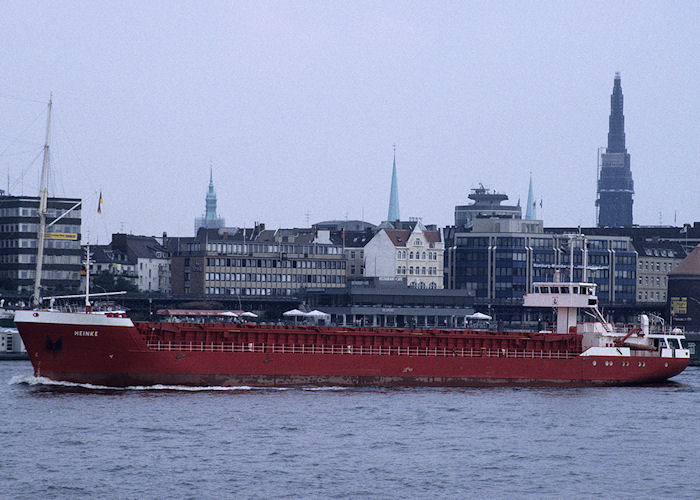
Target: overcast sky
x: 297, y: 106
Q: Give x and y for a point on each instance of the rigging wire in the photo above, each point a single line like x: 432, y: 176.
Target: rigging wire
x: 25, y: 170
x: 16, y: 139
x: 17, y: 98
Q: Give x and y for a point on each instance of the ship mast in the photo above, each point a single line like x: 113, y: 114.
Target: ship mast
x: 43, y: 200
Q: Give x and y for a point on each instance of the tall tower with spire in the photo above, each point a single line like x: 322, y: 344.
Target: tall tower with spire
x: 210, y: 219
x: 394, y: 196
x: 615, y: 184
x: 210, y: 202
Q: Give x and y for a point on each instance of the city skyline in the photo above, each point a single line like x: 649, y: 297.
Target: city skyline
x: 287, y: 99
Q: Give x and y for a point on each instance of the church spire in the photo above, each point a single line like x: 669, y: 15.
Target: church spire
x: 531, y: 212
x: 616, y: 130
x: 210, y: 201
x: 394, y: 196
x: 615, y: 184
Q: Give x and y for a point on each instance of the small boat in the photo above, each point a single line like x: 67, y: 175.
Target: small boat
x: 6, y: 316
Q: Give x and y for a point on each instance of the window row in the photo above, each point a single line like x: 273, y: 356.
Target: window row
x: 401, y: 254
x: 422, y: 286
x: 218, y: 290
x: 244, y: 248
x: 34, y: 212
x: 273, y: 263
x: 660, y: 266
x: 651, y: 282
x: 273, y: 278
x: 46, y: 274
x: 658, y: 296
x: 430, y: 271
x: 32, y: 243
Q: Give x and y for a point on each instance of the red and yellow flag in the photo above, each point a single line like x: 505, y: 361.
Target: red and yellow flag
x: 99, y: 204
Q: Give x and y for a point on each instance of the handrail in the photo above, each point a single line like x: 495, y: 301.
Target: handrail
x: 359, y: 350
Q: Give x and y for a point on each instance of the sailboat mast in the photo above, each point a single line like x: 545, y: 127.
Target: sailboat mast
x: 43, y: 201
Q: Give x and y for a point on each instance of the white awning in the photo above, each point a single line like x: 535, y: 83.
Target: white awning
x: 478, y: 315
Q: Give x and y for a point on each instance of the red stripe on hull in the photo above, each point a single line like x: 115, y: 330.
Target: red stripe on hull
x: 118, y: 356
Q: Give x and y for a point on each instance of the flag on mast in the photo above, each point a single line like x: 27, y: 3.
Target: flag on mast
x: 99, y: 204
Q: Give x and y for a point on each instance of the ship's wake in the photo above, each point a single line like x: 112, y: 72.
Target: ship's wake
x: 31, y: 380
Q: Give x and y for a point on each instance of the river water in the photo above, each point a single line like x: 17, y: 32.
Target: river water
x: 66, y: 441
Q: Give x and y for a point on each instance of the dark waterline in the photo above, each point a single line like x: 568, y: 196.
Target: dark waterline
x: 71, y: 441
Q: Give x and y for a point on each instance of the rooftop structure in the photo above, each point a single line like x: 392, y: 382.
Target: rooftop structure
x: 487, y: 203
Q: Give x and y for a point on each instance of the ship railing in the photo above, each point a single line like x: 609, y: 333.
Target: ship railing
x: 361, y: 350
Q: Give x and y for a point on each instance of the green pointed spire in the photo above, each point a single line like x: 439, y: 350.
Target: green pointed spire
x: 394, y: 196
x: 530, y: 212
x: 210, y: 201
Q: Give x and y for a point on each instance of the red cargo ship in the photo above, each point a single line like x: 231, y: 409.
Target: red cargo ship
x: 109, y: 349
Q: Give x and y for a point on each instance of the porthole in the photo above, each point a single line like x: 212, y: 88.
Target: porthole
x: 666, y: 365
x: 594, y: 363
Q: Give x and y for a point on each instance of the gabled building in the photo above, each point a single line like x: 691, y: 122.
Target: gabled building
x: 414, y: 254
x: 114, y: 261
x: 353, y: 244
x: 152, y: 261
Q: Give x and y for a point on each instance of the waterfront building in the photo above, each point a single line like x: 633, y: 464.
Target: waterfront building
x: 655, y: 260
x: 372, y: 301
x: 19, y: 228
x: 352, y: 235
x: 684, y: 293
x: 353, y: 244
x: 615, y: 185
x: 210, y: 220
x: 150, y: 258
x: 142, y: 260
x: 501, y: 258
x: 487, y: 203
x: 104, y: 258
x: 254, y: 262
x: 415, y: 254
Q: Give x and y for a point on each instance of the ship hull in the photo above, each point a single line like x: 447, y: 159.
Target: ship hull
x: 117, y: 354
